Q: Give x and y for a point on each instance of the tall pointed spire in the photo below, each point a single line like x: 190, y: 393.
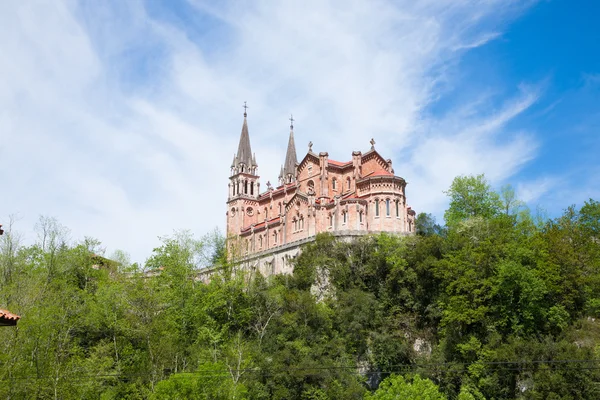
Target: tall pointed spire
x: 244, y: 153
x: 289, y: 167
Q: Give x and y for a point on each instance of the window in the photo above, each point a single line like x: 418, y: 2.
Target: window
x: 279, y: 208
x: 387, y: 207
x: 330, y: 220
x: 334, y: 184
x: 252, y: 188
x: 311, y: 187
x: 301, y: 223
x: 275, y: 237
x: 245, y: 187
x: 360, y: 216
x: 345, y: 217
x: 377, y: 207
x: 348, y: 184
x: 397, y: 208
x: 260, y: 242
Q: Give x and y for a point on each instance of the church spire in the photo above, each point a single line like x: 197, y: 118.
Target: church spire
x: 244, y: 160
x: 289, y: 167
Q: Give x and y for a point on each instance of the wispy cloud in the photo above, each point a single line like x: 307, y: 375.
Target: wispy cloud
x: 531, y: 191
x: 122, y: 123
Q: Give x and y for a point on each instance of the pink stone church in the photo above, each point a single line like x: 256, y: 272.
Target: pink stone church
x: 346, y: 198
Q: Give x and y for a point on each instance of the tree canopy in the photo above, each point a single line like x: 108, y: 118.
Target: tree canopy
x: 495, y: 305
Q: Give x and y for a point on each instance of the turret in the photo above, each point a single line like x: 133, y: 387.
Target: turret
x: 243, y: 180
x: 288, y: 172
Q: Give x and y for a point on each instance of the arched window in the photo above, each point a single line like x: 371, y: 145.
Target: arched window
x: 387, y: 207
x: 311, y: 187
x: 275, y: 237
x: 252, y: 188
x: 280, y: 208
x: 348, y: 184
x: 301, y: 223
x: 245, y: 187
x: 334, y: 184
x: 260, y: 242
x: 377, y: 207
x: 345, y: 214
x: 397, y: 208
x: 360, y: 216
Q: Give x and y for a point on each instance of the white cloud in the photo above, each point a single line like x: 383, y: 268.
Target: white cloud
x: 532, y: 191
x: 123, y: 126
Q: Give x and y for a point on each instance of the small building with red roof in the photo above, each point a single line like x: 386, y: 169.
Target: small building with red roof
x: 8, y: 319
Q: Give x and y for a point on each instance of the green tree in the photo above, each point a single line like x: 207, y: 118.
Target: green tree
x: 426, y: 226
x: 397, y: 387
x: 510, y: 204
x: 471, y: 196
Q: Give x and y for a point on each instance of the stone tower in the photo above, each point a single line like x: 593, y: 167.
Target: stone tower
x: 244, y: 185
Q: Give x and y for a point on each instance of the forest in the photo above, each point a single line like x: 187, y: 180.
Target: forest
x: 496, y: 302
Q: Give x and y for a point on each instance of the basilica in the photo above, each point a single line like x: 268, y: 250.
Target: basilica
x: 345, y: 198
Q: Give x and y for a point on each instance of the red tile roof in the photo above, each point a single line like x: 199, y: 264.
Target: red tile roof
x: 381, y: 172
x: 339, y: 163
x: 277, y: 190
x: 8, y: 318
x: 260, y: 225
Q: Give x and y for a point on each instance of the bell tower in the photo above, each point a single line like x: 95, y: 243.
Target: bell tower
x: 244, y: 185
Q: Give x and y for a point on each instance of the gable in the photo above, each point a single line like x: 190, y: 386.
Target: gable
x: 372, y: 161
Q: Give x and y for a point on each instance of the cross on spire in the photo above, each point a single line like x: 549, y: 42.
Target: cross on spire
x: 245, y: 107
x: 291, y: 121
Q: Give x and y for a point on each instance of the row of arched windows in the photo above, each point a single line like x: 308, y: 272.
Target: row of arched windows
x: 387, y: 207
x: 262, y: 240
x: 298, y: 223
x: 345, y: 218
x: 243, y: 187
x: 348, y: 184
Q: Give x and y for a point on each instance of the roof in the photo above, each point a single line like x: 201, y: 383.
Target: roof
x: 244, y: 153
x: 7, y: 318
x: 339, y: 163
x: 381, y: 172
x: 260, y: 225
x: 290, y: 157
x: 276, y: 190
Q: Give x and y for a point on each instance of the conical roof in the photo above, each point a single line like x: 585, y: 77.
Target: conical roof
x: 244, y: 153
x: 289, y: 167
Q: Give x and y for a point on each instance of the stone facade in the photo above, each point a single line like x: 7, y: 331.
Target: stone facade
x: 317, y: 194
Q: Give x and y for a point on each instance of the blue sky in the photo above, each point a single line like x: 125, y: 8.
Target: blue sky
x: 120, y: 119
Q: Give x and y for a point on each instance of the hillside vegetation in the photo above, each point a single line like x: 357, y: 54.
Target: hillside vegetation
x: 496, y: 304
